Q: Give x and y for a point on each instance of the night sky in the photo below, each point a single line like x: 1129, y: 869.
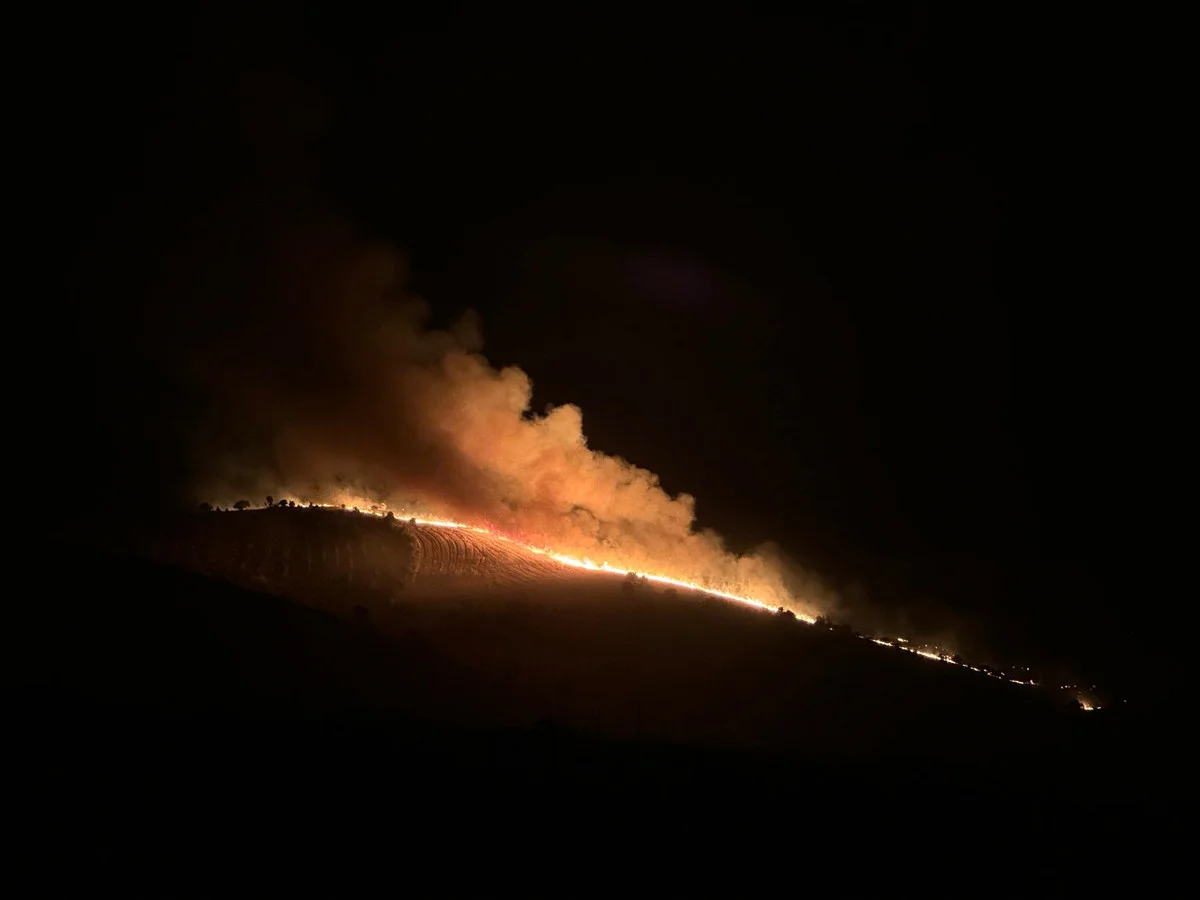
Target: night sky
x: 830, y: 275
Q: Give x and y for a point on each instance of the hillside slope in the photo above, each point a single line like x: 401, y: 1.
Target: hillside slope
x: 533, y: 640
x: 157, y: 705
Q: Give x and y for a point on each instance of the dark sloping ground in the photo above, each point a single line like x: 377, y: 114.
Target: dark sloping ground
x: 166, y: 721
x: 537, y: 640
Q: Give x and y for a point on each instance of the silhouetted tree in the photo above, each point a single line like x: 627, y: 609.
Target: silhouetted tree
x: 280, y: 503
x: 270, y: 500
x: 206, y: 507
x: 291, y: 504
x: 242, y: 504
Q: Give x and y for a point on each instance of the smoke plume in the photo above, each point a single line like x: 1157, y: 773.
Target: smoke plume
x: 339, y: 392
x: 288, y: 356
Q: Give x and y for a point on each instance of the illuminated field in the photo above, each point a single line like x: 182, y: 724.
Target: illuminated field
x: 422, y: 556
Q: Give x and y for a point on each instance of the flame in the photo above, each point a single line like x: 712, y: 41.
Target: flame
x: 925, y: 651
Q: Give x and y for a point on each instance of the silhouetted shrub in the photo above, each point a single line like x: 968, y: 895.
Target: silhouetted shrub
x: 242, y: 504
x: 270, y: 500
x: 206, y: 507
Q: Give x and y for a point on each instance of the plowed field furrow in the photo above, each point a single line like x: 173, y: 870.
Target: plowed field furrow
x: 325, y: 554
x: 458, y: 553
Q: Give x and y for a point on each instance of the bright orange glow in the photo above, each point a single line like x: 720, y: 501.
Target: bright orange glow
x: 381, y: 511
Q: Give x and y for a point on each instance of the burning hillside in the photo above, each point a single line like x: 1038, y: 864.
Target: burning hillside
x: 524, y: 637
x: 364, y: 395
x: 294, y: 356
x: 361, y: 556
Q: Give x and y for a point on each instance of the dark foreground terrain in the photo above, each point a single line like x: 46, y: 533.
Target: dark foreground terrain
x: 187, y: 732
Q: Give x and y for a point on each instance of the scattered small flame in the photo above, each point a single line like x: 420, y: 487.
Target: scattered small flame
x: 381, y: 511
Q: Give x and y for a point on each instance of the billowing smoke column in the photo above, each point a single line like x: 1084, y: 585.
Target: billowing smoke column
x: 242, y: 341
x: 339, y: 392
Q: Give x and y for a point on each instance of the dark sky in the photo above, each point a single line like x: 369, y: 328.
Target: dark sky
x: 835, y: 276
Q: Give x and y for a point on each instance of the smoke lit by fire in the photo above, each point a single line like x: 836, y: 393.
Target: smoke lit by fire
x: 360, y: 404
x: 358, y: 393
x: 290, y: 356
